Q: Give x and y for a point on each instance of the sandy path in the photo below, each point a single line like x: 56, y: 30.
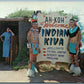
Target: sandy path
x: 14, y: 76
x: 9, y: 75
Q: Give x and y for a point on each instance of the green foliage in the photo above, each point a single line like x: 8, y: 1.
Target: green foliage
x: 15, y: 63
x: 62, y: 13
x: 44, y: 13
x: 82, y: 33
x: 46, y: 68
x: 26, y: 59
x: 29, y: 13
x: 62, y: 68
x: 75, y: 17
x: 20, y: 67
x: 26, y: 66
x: 22, y: 53
x: 21, y: 13
x: 21, y: 57
x: 18, y: 58
x: 16, y: 68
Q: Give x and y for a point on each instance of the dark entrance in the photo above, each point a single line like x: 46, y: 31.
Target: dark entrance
x: 13, y: 25
x: 20, y: 27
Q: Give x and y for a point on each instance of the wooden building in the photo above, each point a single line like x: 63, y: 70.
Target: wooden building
x: 19, y: 26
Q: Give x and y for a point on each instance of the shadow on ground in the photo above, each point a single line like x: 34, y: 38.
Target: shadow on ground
x: 56, y: 76
x: 5, y: 67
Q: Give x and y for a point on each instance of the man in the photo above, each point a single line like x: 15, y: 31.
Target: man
x: 73, y: 47
x: 33, y: 44
x: 6, y: 44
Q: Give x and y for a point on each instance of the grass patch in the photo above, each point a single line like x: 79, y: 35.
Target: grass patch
x: 82, y: 33
x: 16, y: 68
x: 20, y: 67
x: 15, y: 63
x: 62, y: 68
x: 45, y: 67
x: 50, y: 67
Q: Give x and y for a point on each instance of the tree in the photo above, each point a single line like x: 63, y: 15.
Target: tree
x: 21, y: 13
x: 29, y: 13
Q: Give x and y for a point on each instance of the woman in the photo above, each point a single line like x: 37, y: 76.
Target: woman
x: 6, y: 44
x: 73, y: 47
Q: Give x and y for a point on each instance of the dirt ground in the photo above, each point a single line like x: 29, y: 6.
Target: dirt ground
x: 55, y: 76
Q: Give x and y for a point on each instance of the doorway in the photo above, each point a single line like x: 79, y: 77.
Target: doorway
x: 13, y: 25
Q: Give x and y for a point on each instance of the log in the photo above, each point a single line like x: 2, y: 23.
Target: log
x: 12, y: 19
x: 13, y: 49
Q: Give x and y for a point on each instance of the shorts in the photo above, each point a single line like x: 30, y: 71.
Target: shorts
x: 72, y: 49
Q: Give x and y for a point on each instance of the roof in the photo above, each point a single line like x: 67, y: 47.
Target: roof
x: 12, y: 19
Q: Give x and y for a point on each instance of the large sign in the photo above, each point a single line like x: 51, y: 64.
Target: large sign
x: 53, y: 37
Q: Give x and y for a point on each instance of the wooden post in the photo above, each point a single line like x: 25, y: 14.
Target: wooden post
x: 13, y: 49
x: 81, y: 63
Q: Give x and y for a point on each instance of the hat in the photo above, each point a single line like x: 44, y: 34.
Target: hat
x: 72, y: 20
x: 34, y: 21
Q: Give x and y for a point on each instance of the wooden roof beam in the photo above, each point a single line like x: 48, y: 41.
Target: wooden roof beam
x: 12, y: 19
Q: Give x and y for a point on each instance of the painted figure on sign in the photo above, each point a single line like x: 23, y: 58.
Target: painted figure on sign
x: 73, y: 47
x: 6, y: 44
x: 34, y: 16
x: 33, y: 45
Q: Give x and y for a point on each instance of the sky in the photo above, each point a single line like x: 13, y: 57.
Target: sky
x: 75, y: 7
x: 41, y: 0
